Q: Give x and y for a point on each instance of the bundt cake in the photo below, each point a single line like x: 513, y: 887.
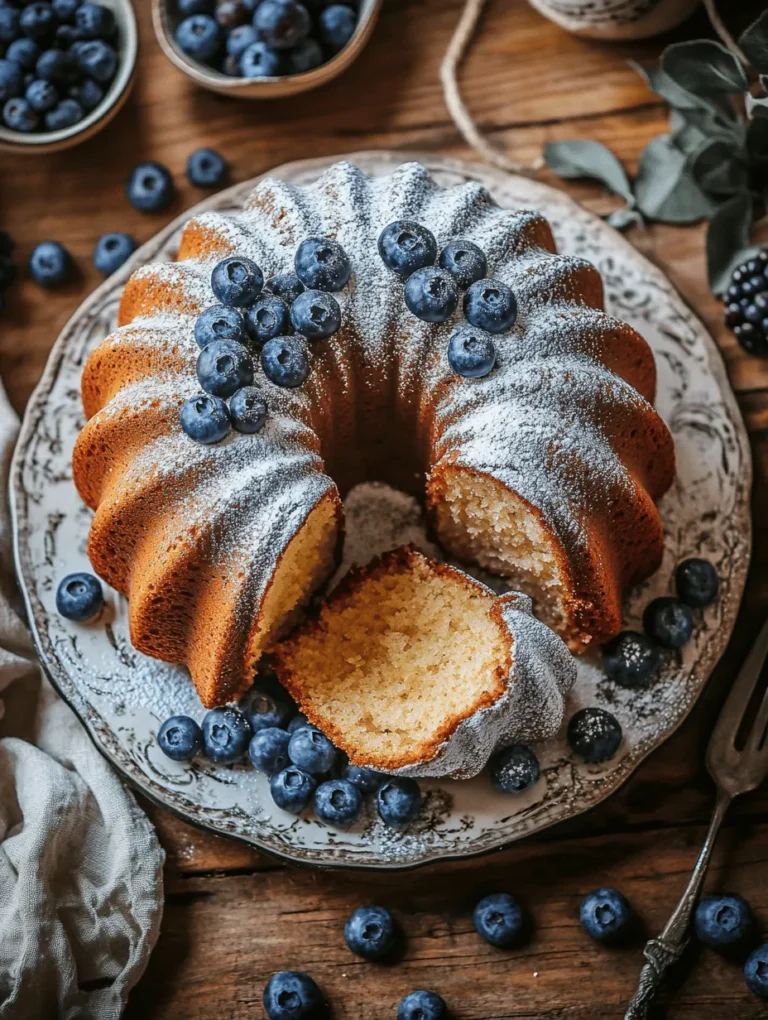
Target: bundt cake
x: 414, y: 667
x: 544, y: 471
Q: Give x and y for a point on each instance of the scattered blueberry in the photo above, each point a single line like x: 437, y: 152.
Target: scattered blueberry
x: 180, y: 738
x: 23, y: 52
x: 405, y: 246
x: 398, y: 801
x: 50, y: 264
x: 304, y: 57
x: 95, y: 21
x: 150, y: 187
x: 336, y: 26
x: 631, y: 659
x: 88, y: 93
x: 268, y: 750
x: 668, y: 621
x: 697, y: 582
x: 316, y: 315
x: 111, y: 251
x: 431, y: 294
x: 97, y: 60
x: 464, y: 261
x: 500, y: 920
x: 594, y: 734
x: 207, y: 168
x: 223, y: 367
x: 514, y: 769
x: 38, y: 21
x: 41, y: 95
x: 248, y: 410
x: 292, y: 995
x: 236, y: 281
x: 65, y: 114
x: 724, y: 923
x: 292, y: 789
x: 218, y: 322
x: 606, y: 916
x: 11, y: 80
x: 756, y: 972
x: 79, y: 597
x: 282, y: 24
x: 286, y: 286
x: 285, y: 361
x: 312, y: 751
x: 490, y: 305
x: 337, y: 802
x: 322, y: 264
x: 19, y: 115
x: 267, y: 318
x: 471, y: 352
x: 226, y: 735
x: 371, y: 932
x: 366, y: 780
x: 259, y: 61
x: 422, y: 1005
x: 205, y: 419
x: 267, y: 708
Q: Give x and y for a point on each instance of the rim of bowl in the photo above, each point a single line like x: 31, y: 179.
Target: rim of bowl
x: 129, y: 48
x: 267, y: 87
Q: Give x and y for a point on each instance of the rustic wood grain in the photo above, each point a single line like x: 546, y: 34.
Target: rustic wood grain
x: 234, y: 916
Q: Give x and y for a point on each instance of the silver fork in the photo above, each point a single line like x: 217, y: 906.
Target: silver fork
x: 735, y: 771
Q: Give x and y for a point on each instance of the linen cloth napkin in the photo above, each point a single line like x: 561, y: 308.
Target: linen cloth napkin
x: 81, y: 886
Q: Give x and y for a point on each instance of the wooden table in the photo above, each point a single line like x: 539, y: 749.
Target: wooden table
x: 232, y: 917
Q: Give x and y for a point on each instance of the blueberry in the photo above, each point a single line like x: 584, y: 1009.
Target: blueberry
x: 464, y: 261
x: 50, y: 264
x: 267, y: 708
x: 259, y: 61
x: 223, y: 367
x: 95, y: 21
x: 9, y: 24
x: 231, y: 67
x: 292, y: 995
x: 298, y: 721
x: 431, y: 294
x: 304, y: 57
x: 631, y: 659
x: 371, y: 932
x: 292, y: 789
x: 316, y: 314
x: 282, y: 24
x: 150, y: 187
x: 267, y: 318
x: 187, y: 7
x: 180, y: 738
x: 226, y: 735
x: 231, y: 13
x: 65, y: 10
x: 405, y: 246
x: 286, y: 286
x: 336, y: 26
x: 79, y: 597
x: 398, y: 801
x: 285, y: 361
x: 471, y: 352
x: 268, y: 750
x: 88, y: 93
x: 756, y: 972
x: 514, y: 770
x: 322, y: 264
x: 97, y: 60
x: 500, y: 920
x: 239, y: 39
x: 19, y: 115
x: 697, y: 582
x: 724, y: 923
x: 668, y: 621
x: 205, y: 419
x: 207, y: 168
x: 23, y: 52
x: 217, y: 322
x: 65, y: 114
x: 199, y: 36
x: 57, y: 66
x: 66, y: 36
x: 366, y: 780
x: 311, y: 750
x: 594, y: 734
x: 111, y: 251
x: 38, y: 21
x: 42, y: 96
x: 606, y: 916
x: 338, y: 802
x: 422, y: 1005
x: 11, y: 80
x: 248, y: 410
x: 236, y: 281
x: 490, y: 305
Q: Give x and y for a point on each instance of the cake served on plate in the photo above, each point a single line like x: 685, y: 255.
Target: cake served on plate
x: 544, y: 468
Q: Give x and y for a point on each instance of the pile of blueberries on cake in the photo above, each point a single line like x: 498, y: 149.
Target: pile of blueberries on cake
x: 57, y: 61
x: 264, y: 38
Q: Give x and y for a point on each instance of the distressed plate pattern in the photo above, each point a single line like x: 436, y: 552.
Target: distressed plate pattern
x: 122, y: 696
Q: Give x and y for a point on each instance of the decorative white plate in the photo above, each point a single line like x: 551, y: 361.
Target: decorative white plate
x: 122, y: 696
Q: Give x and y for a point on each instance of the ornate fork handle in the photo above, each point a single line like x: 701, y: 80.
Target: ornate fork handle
x: 665, y: 951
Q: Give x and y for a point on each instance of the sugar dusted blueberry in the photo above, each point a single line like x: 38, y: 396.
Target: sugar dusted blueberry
x: 405, y: 246
x: 267, y: 318
x: 471, y: 352
x: 180, y: 738
x: 431, y: 294
x: 79, y: 597
x: 248, y: 410
x: 286, y: 286
x: 218, y: 322
x: 514, y: 769
x: 285, y: 361
x: 594, y: 734
x: 224, y: 367
x: 631, y: 659
x: 697, y: 582
x: 322, y: 264
x: 316, y: 315
x: 237, y: 281
x: 464, y: 261
x: 205, y: 419
x: 292, y: 789
x: 490, y: 305
x: 669, y: 621
x: 226, y: 735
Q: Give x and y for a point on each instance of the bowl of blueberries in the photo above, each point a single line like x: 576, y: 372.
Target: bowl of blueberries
x: 66, y: 68
x: 263, y: 49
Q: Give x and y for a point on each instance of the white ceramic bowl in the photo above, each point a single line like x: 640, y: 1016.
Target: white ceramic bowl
x: 52, y: 141
x: 166, y: 20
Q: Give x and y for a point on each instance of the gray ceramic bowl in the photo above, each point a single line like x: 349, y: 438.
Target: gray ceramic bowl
x: 166, y: 20
x: 52, y: 141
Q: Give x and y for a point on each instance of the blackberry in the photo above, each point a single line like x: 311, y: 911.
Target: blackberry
x: 746, y: 304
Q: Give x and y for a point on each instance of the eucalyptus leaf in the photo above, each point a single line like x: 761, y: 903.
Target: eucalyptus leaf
x: 659, y: 81
x: 705, y: 68
x: 584, y: 158
x: 719, y: 169
x: 665, y: 189
x: 756, y: 106
x: 686, y: 137
x: 754, y: 43
x: 623, y: 219
x: 727, y: 239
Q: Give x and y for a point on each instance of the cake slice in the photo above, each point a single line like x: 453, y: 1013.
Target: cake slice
x: 414, y: 667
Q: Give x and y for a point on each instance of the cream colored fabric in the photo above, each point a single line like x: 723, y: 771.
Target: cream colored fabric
x: 81, y: 889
